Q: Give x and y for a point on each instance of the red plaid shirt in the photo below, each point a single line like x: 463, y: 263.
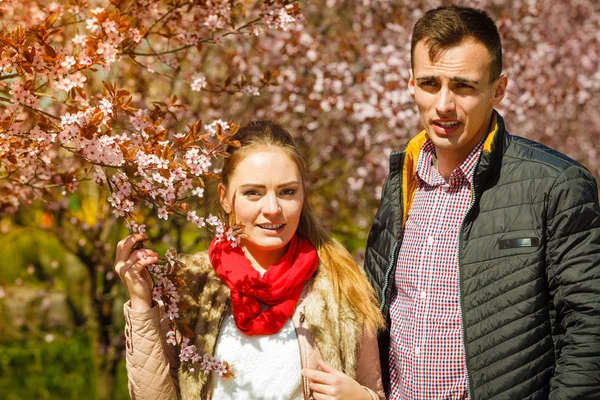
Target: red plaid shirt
x: 427, y: 355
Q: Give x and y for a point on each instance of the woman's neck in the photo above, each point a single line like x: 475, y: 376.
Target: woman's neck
x: 262, y: 260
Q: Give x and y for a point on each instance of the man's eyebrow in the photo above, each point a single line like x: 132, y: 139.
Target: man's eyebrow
x: 427, y: 78
x: 453, y: 79
x: 464, y: 80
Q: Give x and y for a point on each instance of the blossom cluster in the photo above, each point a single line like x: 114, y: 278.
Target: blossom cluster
x: 336, y: 81
x: 166, y: 290
x: 339, y: 83
x: 84, y: 99
x: 65, y: 122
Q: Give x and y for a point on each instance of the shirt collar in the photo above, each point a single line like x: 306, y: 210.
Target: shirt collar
x: 464, y: 173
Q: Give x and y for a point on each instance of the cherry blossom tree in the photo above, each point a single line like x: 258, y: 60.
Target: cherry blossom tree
x: 334, y: 73
x: 68, y: 121
x: 141, y: 96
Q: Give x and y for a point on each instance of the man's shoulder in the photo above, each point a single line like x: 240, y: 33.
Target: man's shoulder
x: 527, y: 153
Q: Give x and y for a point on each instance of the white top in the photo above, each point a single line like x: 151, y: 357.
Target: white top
x: 266, y: 367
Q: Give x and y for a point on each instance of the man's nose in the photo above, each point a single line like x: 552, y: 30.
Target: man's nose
x: 445, y: 101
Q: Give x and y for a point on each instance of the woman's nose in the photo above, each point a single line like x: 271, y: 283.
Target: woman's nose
x: 271, y: 205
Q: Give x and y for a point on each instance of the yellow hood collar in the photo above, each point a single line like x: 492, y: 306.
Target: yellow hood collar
x: 411, y: 156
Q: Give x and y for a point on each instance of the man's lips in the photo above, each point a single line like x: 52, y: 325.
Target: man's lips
x: 445, y: 127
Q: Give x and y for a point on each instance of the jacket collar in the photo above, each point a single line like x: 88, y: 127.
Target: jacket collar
x: 493, y: 148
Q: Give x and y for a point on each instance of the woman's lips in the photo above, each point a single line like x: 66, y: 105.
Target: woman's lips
x: 271, y: 227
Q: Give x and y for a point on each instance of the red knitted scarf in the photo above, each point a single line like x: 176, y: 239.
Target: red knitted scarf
x: 279, y: 287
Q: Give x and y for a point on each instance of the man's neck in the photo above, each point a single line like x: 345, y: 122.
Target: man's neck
x: 446, y: 161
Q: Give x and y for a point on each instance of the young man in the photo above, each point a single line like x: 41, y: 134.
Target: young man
x: 485, y: 250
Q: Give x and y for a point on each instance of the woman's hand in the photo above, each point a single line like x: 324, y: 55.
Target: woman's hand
x: 329, y: 383
x: 131, y: 265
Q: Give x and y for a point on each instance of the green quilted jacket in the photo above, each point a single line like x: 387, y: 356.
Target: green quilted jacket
x: 529, y: 260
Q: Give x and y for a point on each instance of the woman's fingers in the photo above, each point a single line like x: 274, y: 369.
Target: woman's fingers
x: 131, y: 265
x: 125, y: 245
x: 329, y: 383
x: 140, y: 259
x: 323, y: 389
x: 319, y: 376
x: 136, y: 262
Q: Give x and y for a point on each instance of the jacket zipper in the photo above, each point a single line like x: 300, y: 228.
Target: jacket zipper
x: 305, y: 388
x: 387, y: 277
x: 460, y: 296
x: 207, y: 388
x: 395, y: 249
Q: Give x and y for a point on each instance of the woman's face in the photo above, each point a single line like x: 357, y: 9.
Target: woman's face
x: 269, y: 195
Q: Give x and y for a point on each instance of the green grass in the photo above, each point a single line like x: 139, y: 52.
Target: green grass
x: 63, y: 369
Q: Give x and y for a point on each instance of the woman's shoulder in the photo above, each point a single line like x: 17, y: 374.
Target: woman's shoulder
x: 197, y: 263
x: 197, y: 275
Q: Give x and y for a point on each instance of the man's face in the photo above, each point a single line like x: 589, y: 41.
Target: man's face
x: 455, y: 96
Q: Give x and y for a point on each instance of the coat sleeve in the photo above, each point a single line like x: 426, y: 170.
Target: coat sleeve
x: 151, y: 362
x: 573, y: 270
x: 368, y: 370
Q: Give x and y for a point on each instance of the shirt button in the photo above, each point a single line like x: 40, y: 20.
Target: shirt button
x: 430, y: 240
x: 423, y: 295
x: 417, y: 350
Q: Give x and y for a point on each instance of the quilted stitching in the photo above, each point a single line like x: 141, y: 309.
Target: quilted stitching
x: 148, y: 367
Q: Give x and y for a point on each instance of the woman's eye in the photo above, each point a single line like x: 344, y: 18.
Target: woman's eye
x: 288, y: 192
x: 251, y: 193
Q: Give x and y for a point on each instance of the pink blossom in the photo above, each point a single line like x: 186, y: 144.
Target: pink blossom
x: 79, y: 39
x: 92, y: 24
x: 68, y: 62
x: 212, y: 127
x: 213, y: 22
x: 157, y: 293
x: 70, y: 81
x: 235, y: 240
x: 108, y: 51
x: 171, y: 338
x: 199, y: 191
x: 250, y: 90
x: 85, y: 61
x: 195, y: 219
x: 198, y: 82
x: 135, y: 35
x: 162, y: 213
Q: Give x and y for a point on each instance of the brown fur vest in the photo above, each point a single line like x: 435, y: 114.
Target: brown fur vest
x: 334, y: 327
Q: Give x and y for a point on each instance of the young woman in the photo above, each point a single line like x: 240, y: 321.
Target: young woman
x: 288, y: 309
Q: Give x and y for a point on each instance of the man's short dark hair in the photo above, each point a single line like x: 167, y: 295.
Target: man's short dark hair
x: 445, y: 27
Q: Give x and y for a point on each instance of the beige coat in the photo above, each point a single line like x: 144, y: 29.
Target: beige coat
x: 325, y: 330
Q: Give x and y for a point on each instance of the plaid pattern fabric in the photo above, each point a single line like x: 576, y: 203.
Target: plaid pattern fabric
x: 427, y: 356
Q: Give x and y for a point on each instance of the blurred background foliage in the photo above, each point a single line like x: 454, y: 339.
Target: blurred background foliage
x: 341, y: 90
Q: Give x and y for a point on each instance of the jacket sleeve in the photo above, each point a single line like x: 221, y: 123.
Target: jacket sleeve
x: 368, y: 370
x: 151, y: 362
x: 573, y: 270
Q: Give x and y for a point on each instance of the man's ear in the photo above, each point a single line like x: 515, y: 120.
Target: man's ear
x: 222, y: 192
x: 500, y: 89
x: 411, y: 84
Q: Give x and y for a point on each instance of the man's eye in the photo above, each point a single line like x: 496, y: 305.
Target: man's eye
x: 464, y: 86
x: 428, y: 84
